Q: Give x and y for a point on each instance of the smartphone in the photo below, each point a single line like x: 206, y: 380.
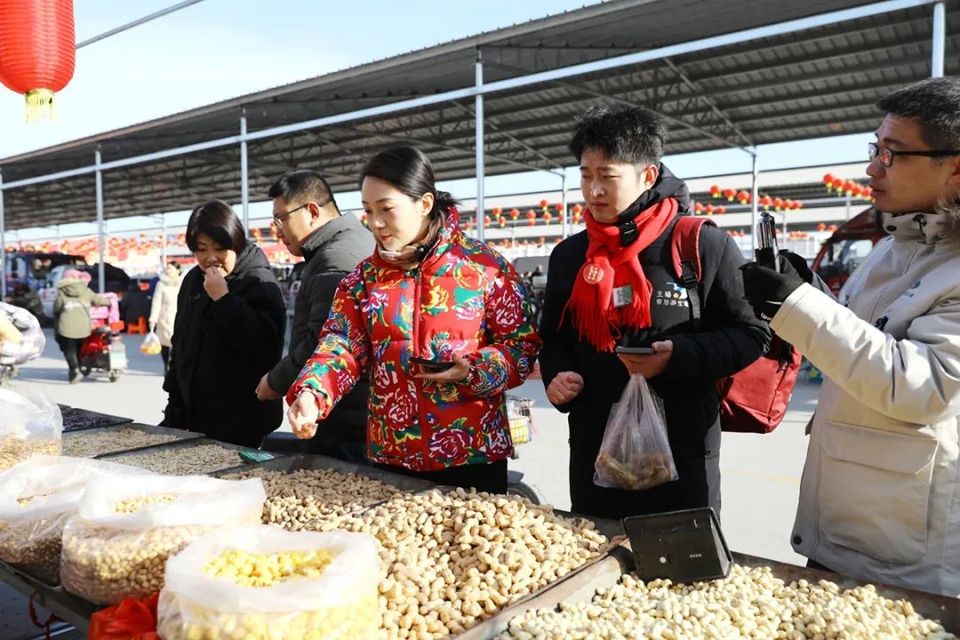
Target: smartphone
x: 430, y: 366
x: 636, y: 351
x: 766, y: 252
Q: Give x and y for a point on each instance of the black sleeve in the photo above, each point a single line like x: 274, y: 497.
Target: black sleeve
x: 254, y: 316
x: 732, y: 337
x: 323, y: 286
x: 557, y: 352
x: 175, y: 413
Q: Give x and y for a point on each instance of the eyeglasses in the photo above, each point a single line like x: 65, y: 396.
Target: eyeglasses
x: 278, y: 220
x: 887, y: 155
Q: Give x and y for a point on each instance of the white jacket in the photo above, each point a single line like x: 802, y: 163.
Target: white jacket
x: 880, y: 495
x: 163, y: 309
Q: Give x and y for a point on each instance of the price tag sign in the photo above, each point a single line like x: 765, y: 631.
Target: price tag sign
x: 682, y: 546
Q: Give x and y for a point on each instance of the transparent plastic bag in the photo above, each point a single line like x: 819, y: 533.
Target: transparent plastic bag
x: 635, y: 453
x: 118, y: 543
x: 339, y: 602
x: 30, y: 424
x: 151, y: 344
x: 36, y: 500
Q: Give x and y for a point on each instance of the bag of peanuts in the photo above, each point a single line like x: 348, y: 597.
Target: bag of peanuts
x: 635, y: 452
x: 261, y: 582
x: 36, y: 499
x: 118, y: 543
x: 29, y: 425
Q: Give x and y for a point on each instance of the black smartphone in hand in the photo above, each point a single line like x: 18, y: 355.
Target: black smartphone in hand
x: 430, y: 366
x: 636, y: 351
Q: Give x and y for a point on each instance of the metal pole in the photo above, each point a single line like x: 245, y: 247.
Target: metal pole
x: 163, y: 240
x: 3, y: 245
x: 244, y: 177
x: 939, y: 39
x: 137, y: 22
x: 478, y: 108
x: 563, y: 204
x: 100, y: 224
x: 754, y: 210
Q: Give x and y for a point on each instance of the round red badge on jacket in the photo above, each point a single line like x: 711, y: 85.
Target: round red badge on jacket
x: 593, y: 274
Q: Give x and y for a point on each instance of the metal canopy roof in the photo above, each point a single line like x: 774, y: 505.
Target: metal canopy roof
x: 816, y: 82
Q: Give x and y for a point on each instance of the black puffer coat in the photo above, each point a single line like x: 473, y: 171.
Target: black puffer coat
x: 221, y: 350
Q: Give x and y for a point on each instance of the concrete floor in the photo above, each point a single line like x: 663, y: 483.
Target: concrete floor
x: 761, y: 473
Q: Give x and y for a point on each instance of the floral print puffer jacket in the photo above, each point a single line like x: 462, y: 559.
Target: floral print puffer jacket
x: 463, y: 300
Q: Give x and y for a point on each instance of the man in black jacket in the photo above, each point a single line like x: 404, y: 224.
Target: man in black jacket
x: 306, y: 216
x: 614, y: 284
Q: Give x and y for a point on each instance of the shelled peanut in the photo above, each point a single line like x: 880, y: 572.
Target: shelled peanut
x: 267, y: 569
x: 82, y: 444
x: 298, y: 500
x: 15, y: 450
x: 183, y: 461
x: 750, y: 603
x: 453, y: 559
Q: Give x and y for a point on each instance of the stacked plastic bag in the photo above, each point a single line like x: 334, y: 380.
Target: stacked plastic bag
x: 119, y: 542
x: 261, y: 582
x: 29, y: 425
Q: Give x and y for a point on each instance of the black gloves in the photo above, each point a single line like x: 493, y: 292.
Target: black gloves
x: 799, y: 264
x: 765, y: 289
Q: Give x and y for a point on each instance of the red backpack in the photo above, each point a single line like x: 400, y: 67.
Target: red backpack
x: 755, y: 399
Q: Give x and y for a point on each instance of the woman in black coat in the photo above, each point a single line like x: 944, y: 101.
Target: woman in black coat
x: 228, y: 330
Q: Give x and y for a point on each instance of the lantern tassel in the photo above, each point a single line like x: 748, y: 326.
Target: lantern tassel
x: 40, y: 105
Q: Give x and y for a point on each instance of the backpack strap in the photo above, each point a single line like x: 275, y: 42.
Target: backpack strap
x: 685, y: 255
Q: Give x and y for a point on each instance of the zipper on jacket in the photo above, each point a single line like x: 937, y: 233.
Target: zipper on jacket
x: 415, y: 337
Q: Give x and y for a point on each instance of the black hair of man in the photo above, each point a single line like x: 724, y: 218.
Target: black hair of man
x: 934, y: 104
x: 622, y: 133
x: 216, y: 220
x: 303, y: 186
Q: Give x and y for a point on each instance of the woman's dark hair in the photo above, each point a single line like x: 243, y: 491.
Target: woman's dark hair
x: 410, y: 171
x: 218, y: 221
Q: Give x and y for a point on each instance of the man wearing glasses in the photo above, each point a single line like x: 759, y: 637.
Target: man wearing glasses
x: 880, y: 495
x: 308, y: 221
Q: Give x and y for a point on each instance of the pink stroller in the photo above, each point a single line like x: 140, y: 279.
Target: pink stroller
x: 104, y: 350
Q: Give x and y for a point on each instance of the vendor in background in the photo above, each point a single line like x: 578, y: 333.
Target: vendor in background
x: 228, y: 329
x: 163, y: 309
x: 428, y: 292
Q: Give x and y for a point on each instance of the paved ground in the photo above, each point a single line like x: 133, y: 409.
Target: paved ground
x: 761, y: 474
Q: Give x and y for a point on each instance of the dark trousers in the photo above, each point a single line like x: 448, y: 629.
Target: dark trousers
x: 71, y: 351
x: 165, y: 356
x: 491, y: 477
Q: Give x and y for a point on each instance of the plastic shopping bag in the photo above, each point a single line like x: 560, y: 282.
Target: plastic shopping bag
x: 261, y: 582
x: 635, y: 453
x: 151, y: 344
x: 132, y: 619
x: 29, y: 425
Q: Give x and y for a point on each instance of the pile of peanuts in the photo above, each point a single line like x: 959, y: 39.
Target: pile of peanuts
x: 184, y: 461
x: 453, y: 559
x: 87, y: 445
x: 106, y: 565
x: 302, y: 499
x: 13, y: 450
x: 750, y: 603
x: 34, y: 547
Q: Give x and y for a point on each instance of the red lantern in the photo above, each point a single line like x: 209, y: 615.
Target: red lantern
x: 37, y: 50
x: 514, y: 213
x: 766, y: 202
x: 715, y: 191
x: 709, y: 209
x: 720, y: 210
x: 577, y: 209
x: 544, y: 204
x: 832, y: 228
x: 778, y: 204
x: 821, y: 227
x: 502, y: 221
x: 743, y: 197
x: 697, y: 208
x: 828, y: 181
x: 497, y: 211
x: 547, y: 217
x: 729, y: 194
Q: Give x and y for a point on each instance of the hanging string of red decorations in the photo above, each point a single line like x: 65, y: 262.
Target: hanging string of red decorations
x: 847, y: 187
x: 745, y: 197
x: 37, y: 51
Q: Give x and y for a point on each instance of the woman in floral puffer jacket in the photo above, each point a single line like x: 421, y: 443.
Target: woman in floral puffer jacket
x: 428, y: 292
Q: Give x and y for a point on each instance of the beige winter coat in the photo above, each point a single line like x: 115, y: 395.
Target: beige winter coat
x: 880, y: 495
x: 163, y: 309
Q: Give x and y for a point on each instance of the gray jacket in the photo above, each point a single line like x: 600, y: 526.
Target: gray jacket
x: 330, y: 253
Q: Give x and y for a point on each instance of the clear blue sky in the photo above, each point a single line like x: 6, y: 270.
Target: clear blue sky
x: 224, y: 48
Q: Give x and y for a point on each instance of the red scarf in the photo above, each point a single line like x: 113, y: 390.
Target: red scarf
x: 610, y: 266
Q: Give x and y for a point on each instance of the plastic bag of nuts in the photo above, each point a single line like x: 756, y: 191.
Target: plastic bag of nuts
x: 118, y: 543
x: 29, y: 425
x: 36, y: 499
x: 253, y: 583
